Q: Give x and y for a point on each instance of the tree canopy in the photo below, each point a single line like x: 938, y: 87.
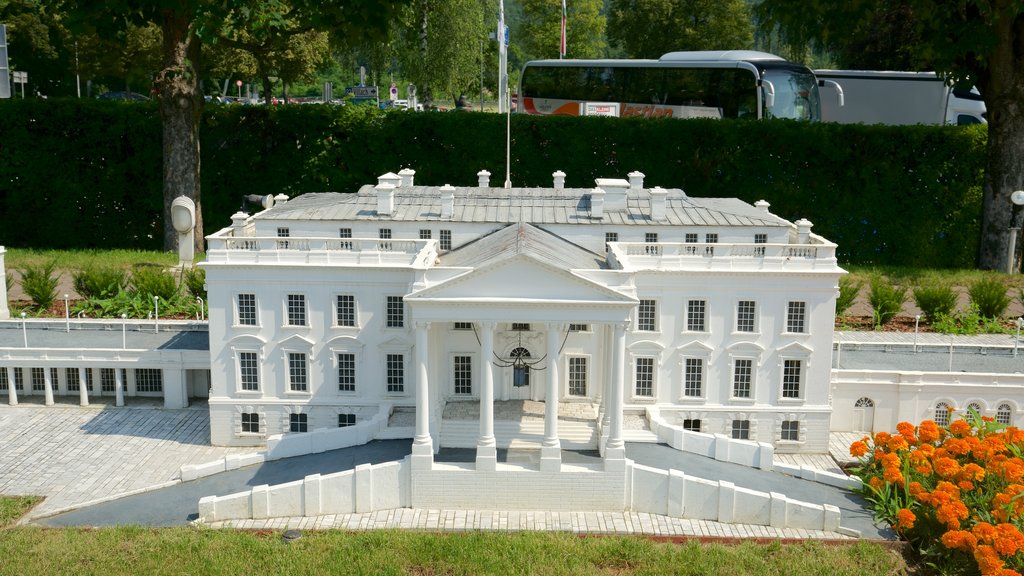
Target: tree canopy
x: 650, y: 28
x: 539, y: 33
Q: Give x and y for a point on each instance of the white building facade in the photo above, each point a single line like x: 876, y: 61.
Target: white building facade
x: 328, y: 308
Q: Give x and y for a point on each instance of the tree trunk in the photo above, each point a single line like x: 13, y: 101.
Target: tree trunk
x: 180, y: 110
x: 1002, y: 86
x: 426, y: 95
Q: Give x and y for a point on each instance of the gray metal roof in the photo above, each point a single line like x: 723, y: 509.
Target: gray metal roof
x: 523, y: 238
x: 534, y: 205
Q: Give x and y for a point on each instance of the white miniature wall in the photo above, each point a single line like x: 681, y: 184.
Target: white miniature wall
x: 640, y: 488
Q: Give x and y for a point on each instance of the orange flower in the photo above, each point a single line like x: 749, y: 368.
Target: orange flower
x: 960, y: 428
x: 928, y: 431
x: 965, y: 485
x: 956, y: 446
x: 984, y: 532
x: 988, y: 560
x: 959, y: 540
x: 882, y: 438
x: 951, y: 514
x: 972, y: 472
x: 892, y: 475
x: 876, y: 483
x: 1009, y: 539
x: 905, y: 519
x: 897, y: 443
x: 946, y: 467
x: 858, y: 449
x: 906, y: 429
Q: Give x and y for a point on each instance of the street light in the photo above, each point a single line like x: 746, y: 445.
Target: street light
x: 1017, y: 198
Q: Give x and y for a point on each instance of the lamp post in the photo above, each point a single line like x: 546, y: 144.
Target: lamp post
x: 156, y: 314
x: 124, y: 331
x: 24, y: 333
x: 67, y: 315
x: 1017, y: 198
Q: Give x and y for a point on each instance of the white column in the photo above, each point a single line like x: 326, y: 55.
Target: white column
x: 12, y: 393
x: 422, y: 446
x: 118, y: 387
x: 47, y: 387
x: 486, y: 449
x: 606, y: 384
x: 551, y: 449
x: 5, y: 312
x: 615, y: 451
x: 83, y: 391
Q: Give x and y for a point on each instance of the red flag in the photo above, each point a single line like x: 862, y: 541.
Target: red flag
x: 561, y: 47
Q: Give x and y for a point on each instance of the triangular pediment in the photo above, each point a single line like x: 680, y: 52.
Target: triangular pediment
x: 519, y: 278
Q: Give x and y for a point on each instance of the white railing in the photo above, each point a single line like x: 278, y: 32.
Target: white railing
x: 721, y: 255
x: 320, y: 250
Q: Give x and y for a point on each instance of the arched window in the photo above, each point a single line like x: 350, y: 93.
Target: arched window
x: 976, y: 407
x: 942, y: 414
x: 520, y: 372
x: 1003, y: 413
x: 865, y: 403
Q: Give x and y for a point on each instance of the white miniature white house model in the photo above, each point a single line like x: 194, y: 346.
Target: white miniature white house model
x: 330, y: 308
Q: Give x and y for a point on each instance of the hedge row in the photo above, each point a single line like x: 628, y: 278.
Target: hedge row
x: 87, y: 174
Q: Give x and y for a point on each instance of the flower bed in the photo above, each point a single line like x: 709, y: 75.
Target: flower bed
x: 956, y: 493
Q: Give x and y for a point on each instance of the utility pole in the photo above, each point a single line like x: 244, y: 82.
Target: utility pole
x: 502, y: 37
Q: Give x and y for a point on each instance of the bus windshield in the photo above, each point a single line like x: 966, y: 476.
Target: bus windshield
x: 657, y: 88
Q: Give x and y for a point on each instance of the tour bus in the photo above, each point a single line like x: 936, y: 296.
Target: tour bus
x: 711, y: 84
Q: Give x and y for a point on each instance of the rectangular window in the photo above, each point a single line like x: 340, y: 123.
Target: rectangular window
x: 38, y: 379
x: 298, y: 423
x: 645, y: 316
x: 146, y: 379
x: 396, y: 373
x: 346, y: 310
x: 691, y: 424
x: 644, y: 377
x: 249, y: 371
x: 296, y: 310
x: 297, y: 374
x: 425, y: 234
x: 446, y: 240
x: 520, y: 327
x: 246, y: 309
x: 462, y: 326
x: 742, y: 374
x: 463, y: 374
x: 577, y: 376
x: 610, y: 237
x: 690, y: 238
x: 710, y: 239
x: 791, y: 430
x: 3, y: 379
x: 346, y: 372
x: 693, y: 377
x: 760, y: 239
x: 344, y: 232
x: 695, y: 315
x: 283, y: 233
x: 791, y: 379
x: 741, y: 429
x: 579, y: 328
x: 746, y: 313
x: 250, y: 422
x: 70, y: 374
x: 651, y: 237
x: 395, y: 312
x: 345, y: 420
x: 795, y: 315
x: 107, y: 381
x: 384, y: 233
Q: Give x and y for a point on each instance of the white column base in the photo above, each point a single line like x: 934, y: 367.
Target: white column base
x: 614, y: 459
x: 486, y: 458
x: 551, y: 458
x: 422, y: 457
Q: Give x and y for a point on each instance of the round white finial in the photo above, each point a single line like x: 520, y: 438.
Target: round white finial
x: 1017, y: 197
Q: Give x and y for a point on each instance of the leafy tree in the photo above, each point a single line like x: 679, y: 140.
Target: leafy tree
x: 650, y: 28
x: 979, y: 42
x: 540, y: 30
x: 442, y: 46
x: 186, y: 25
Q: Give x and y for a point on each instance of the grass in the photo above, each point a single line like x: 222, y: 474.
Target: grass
x: 14, y: 507
x: 20, y: 258
x: 907, y: 276
x: 190, y: 550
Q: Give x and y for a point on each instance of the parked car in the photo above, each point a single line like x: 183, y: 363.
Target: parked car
x: 132, y: 96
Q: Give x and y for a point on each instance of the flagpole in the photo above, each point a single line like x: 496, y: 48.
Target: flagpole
x: 562, y: 45
x: 502, y: 58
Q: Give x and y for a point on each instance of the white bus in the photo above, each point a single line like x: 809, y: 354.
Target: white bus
x: 715, y: 84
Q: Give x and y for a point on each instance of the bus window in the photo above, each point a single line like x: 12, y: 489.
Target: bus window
x: 796, y: 95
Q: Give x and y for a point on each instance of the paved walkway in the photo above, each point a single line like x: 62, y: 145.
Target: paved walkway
x: 75, y: 454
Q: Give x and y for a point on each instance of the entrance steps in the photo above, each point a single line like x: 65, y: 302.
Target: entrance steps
x: 519, y: 424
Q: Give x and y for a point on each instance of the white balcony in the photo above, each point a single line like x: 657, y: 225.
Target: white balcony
x: 816, y: 255
x: 225, y: 248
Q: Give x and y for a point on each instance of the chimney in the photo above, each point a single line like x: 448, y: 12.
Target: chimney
x: 483, y: 179
x: 615, y: 192
x: 447, y: 201
x: 636, y: 180
x: 658, y: 195
x: 597, y: 203
x: 559, y: 177
x: 280, y: 199
x: 406, y: 174
x: 763, y: 205
x: 390, y: 178
x: 385, y: 199
x: 803, y: 230
x: 238, y: 220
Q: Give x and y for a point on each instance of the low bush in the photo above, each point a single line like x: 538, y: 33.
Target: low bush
x: 99, y: 281
x: 886, y: 300
x: 955, y: 493
x: 989, y: 295
x: 40, y: 284
x: 935, y: 301
x: 150, y: 281
x: 849, y: 289
x: 194, y: 280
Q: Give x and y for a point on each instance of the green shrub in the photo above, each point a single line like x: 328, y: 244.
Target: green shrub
x: 848, y: 291
x: 194, y: 280
x: 989, y: 295
x: 9, y: 280
x: 149, y: 281
x: 886, y: 300
x: 934, y: 301
x: 40, y: 284
x: 99, y: 282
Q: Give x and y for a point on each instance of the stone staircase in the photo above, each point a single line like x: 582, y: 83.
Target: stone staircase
x: 519, y: 424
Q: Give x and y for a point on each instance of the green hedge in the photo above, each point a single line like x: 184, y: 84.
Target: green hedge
x: 886, y: 195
